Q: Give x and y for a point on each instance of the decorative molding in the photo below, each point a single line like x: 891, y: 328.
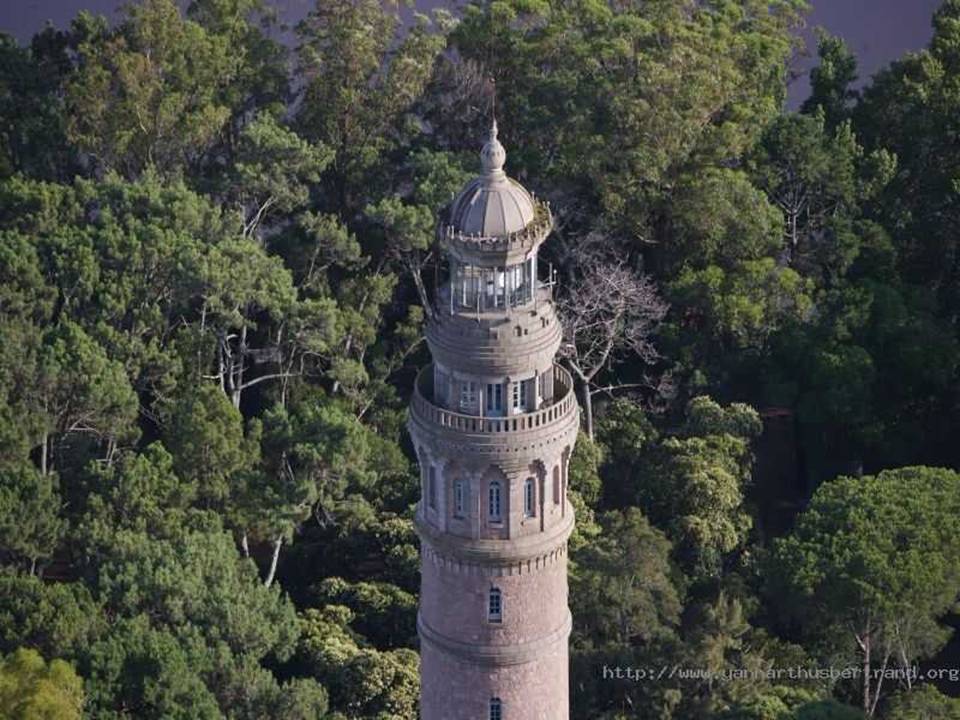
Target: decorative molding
x: 514, y: 556
x: 495, y: 655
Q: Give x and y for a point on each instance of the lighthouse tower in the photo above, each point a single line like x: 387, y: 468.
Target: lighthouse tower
x: 494, y: 420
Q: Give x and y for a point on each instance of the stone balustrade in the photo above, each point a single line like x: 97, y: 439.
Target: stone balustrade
x: 556, y: 413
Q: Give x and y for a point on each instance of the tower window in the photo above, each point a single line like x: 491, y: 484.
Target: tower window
x: 495, y: 606
x: 528, y: 498
x: 493, y: 509
x: 520, y: 395
x: 432, y: 487
x: 468, y: 395
x: 556, y: 485
x: 494, y: 397
x: 459, y: 498
x: 496, y: 709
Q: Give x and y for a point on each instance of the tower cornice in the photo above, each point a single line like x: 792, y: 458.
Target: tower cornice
x: 492, y: 654
x: 526, y: 553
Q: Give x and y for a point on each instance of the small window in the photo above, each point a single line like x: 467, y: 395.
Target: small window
x: 556, y: 485
x: 496, y: 709
x: 493, y: 509
x: 495, y: 606
x: 528, y: 498
x: 432, y: 487
x: 468, y: 395
x: 494, y: 397
x: 459, y: 498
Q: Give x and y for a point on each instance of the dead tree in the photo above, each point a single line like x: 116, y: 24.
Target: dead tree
x: 609, y: 313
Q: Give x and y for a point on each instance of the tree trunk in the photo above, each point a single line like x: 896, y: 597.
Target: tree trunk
x: 44, y: 449
x: 245, y: 545
x: 277, y: 544
x: 587, y: 408
x: 237, y: 367
x: 865, y: 647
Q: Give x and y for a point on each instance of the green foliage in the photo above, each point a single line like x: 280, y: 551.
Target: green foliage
x: 363, y: 682
x: 135, y: 665
x: 615, y: 102
x: 54, y: 618
x: 923, y: 702
x: 622, y: 589
x: 827, y: 710
x: 151, y: 92
x: 205, y: 436
x: 380, y: 71
x: 214, y: 275
x: 383, y: 613
x: 831, y: 80
x: 31, y: 689
x: 873, y: 563
x: 138, y: 493
x: 273, y: 170
x: 30, y: 523
x: 183, y: 583
x: 695, y: 483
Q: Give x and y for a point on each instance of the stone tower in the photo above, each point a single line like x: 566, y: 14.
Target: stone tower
x: 493, y: 421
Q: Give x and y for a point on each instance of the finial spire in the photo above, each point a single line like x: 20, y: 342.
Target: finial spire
x: 493, y: 156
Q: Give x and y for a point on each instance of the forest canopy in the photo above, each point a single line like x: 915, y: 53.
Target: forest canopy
x: 217, y: 252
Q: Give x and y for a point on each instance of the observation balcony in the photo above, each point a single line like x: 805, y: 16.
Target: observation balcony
x: 500, y: 435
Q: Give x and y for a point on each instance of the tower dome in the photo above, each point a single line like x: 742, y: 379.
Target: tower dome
x: 492, y: 205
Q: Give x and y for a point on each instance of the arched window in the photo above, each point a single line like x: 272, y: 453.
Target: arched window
x: 495, y: 606
x: 459, y: 498
x: 432, y: 487
x: 556, y: 485
x: 528, y: 498
x: 493, y: 509
x: 496, y: 709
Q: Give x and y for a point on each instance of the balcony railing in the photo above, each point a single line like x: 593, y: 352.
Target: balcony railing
x: 564, y: 402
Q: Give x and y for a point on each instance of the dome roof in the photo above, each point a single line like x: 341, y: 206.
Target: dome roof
x: 492, y: 205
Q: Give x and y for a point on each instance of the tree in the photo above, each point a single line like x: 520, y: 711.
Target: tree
x: 622, y: 584
x: 613, y: 103
x: 409, y: 223
x: 608, y: 314
x: 151, y: 92
x: 695, y: 483
x: 818, y: 178
x: 923, y: 702
x: 32, y: 122
x: 205, y: 436
x: 31, y: 525
x: 380, y: 75
x: 137, y: 666
x: 909, y: 110
x: 31, y: 689
x: 272, y: 171
x: 54, y: 618
x: 197, y: 580
x: 80, y: 390
x: 312, y: 451
x: 383, y: 613
x: 832, y: 80
x: 871, y: 566
x: 363, y: 682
